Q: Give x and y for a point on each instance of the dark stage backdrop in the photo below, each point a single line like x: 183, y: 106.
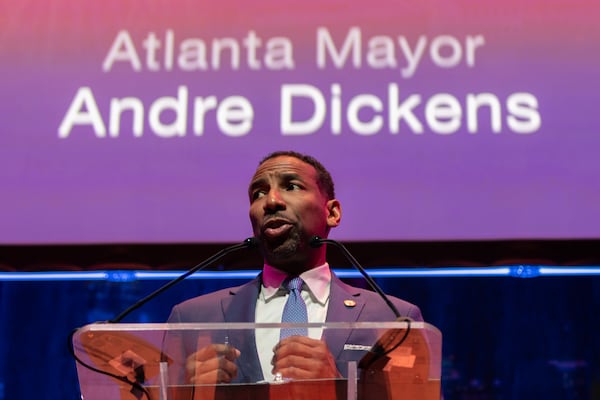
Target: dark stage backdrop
x: 503, y: 338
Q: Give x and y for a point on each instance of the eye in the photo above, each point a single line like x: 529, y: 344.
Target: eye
x: 257, y: 193
x: 293, y: 186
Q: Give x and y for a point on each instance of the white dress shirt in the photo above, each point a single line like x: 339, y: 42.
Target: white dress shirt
x: 270, y: 303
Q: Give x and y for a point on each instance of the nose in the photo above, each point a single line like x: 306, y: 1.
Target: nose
x: 274, y: 201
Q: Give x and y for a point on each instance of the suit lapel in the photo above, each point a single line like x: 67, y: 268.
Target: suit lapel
x: 345, y: 305
x: 240, y: 306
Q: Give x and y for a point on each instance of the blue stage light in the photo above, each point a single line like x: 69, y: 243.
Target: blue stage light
x: 516, y: 271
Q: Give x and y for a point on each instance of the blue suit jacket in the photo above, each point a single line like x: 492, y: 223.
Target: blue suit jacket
x: 238, y: 305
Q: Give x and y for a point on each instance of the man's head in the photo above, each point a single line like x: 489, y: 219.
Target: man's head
x: 292, y: 199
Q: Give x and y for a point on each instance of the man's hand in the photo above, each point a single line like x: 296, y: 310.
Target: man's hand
x: 300, y: 357
x: 212, y: 364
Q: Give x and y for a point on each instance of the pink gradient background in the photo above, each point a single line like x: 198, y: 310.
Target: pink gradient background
x: 392, y: 187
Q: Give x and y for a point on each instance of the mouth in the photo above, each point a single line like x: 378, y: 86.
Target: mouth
x: 276, y: 227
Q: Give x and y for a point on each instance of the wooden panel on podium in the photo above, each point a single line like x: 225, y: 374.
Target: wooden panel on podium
x: 401, y: 370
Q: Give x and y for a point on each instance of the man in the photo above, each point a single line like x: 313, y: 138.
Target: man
x: 292, y: 199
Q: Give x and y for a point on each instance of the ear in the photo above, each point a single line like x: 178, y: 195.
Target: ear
x: 334, y: 215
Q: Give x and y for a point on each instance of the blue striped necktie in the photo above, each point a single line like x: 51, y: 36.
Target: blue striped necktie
x: 294, y: 310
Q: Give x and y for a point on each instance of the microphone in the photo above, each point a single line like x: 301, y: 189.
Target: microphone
x: 392, y: 338
x: 247, y: 243
x: 317, y: 241
x: 103, y: 349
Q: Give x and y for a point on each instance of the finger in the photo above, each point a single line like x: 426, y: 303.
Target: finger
x: 294, y: 349
x: 294, y: 361
x: 216, y: 350
x: 230, y: 353
x: 212, y: 377
x: 305, y: 340
x: 302, y: 358
x: 214, y: 364
x: 206, y: 352
x: 293, y: 372
x: 300, y: 347
x: 218, y: 369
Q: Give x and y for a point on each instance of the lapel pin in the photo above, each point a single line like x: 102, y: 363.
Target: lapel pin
x: 349, y: 303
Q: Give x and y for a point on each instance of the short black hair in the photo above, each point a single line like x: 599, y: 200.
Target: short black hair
x: 324, y: 179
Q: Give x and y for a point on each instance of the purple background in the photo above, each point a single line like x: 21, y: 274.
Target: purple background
x: 392, y: 187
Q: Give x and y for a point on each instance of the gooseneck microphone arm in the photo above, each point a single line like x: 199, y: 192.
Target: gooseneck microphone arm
x: 249, y: 242
x: 317, y: 241
x: 138, y: 387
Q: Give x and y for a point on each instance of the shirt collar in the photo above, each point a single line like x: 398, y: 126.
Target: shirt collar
x: 317, y: 280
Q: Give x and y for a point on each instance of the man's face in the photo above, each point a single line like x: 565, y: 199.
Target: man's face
x: 287, y: 208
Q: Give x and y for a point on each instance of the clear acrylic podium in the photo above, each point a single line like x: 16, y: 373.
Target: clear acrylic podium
x: 391, y: 360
